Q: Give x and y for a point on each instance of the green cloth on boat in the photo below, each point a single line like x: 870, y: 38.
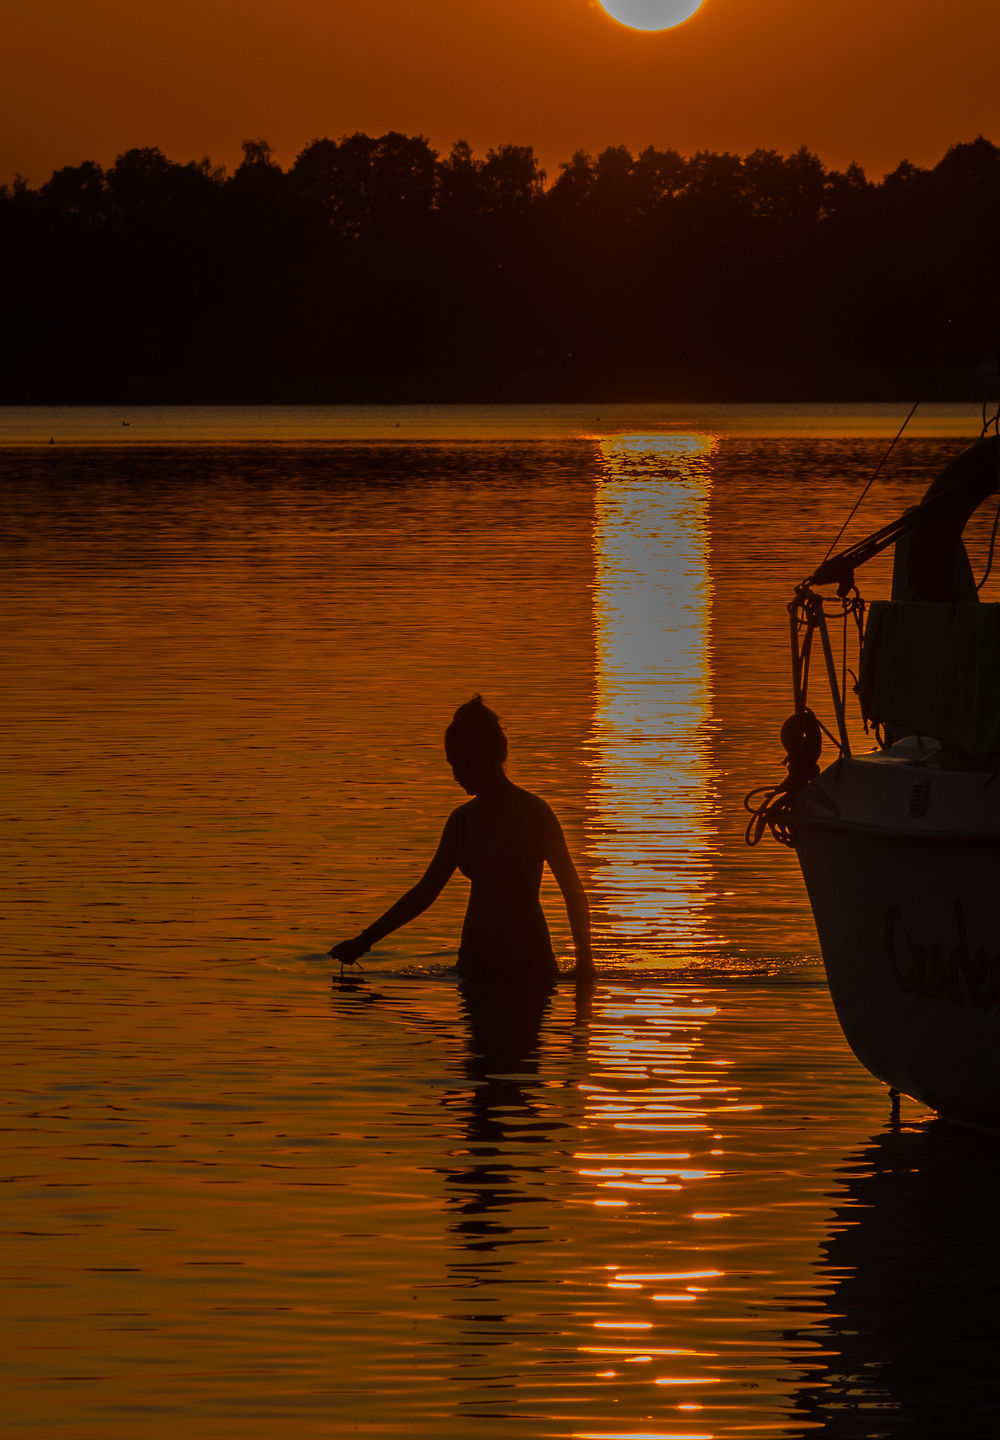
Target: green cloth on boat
x: 934, y: 668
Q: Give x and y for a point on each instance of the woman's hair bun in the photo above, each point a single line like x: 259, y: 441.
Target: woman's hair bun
x: 475, y: 733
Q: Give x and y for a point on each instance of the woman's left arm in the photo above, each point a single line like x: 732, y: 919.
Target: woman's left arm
x: 560, y: 862
x: 413, y: 903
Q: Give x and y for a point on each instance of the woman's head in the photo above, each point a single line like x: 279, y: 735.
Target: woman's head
x: 475, y: 745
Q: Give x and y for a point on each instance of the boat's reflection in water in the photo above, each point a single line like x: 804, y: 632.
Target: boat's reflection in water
x: 913, y: 1264
x: 617, y: 1251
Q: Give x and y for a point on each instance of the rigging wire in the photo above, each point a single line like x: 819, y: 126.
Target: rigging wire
x: 949, y: 224
x: 841, y: 567
x: 993, y: 542
x: 990, y: 423
x: 873, y: 477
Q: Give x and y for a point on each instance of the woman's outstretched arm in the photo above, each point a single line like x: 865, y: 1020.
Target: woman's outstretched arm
x: 560, y: 862
x: 408, y: 906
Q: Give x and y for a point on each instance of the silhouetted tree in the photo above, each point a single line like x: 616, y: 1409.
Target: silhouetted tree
x: 373, y: 268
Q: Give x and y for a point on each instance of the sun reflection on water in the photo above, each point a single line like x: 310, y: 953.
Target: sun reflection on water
x: 654, y: 1102
x: 650, y: 841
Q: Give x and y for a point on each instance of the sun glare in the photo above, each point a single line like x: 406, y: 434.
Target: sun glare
x: 650, y: 829
x: 650, y: 14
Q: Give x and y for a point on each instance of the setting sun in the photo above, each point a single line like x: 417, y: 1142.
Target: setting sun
x: 651, y: 14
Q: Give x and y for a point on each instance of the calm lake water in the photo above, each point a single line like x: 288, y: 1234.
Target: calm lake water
x: 245, y: 1203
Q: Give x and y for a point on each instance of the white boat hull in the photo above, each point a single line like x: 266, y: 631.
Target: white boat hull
x: 902, y: 864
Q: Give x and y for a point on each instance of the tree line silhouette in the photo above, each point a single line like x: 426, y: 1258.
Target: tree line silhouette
x: 374, y: 269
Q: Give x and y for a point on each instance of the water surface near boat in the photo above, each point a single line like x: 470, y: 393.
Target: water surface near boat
x: 245, y: 1202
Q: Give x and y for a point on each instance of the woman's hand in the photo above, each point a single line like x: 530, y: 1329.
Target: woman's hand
x: 349, y: 952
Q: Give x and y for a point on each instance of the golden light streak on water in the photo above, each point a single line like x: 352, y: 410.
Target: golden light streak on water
x: 633, y: 1092
x: 680, y: 1275
x: 649, y: 833
x: 640, y: 1435
x: 631, y: 1354
x: 687, y: 1380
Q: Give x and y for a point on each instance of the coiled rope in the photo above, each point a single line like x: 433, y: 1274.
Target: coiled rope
x: 770, y: 806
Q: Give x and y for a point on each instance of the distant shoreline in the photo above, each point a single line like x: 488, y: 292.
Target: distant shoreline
x: 80, y: 426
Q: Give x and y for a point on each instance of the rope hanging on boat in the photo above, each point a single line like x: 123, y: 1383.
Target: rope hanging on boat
x: 967, y: 480
x: 770, y: 807
x: 803, y: 741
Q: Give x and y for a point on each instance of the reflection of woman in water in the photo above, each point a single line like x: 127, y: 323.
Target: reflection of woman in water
x: 500, y: 840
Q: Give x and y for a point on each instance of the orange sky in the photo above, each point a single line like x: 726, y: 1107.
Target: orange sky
x: 871, y: 80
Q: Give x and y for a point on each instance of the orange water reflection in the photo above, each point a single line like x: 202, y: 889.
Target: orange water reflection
x: 650, y: 833
x: 658, y: 1091
x: 236, y: 1196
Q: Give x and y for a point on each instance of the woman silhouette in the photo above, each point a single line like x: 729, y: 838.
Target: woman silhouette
x: 500, y: 840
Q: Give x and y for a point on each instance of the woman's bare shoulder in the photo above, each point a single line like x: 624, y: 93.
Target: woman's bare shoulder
x: 537, y: 809
x: 458, y: 815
